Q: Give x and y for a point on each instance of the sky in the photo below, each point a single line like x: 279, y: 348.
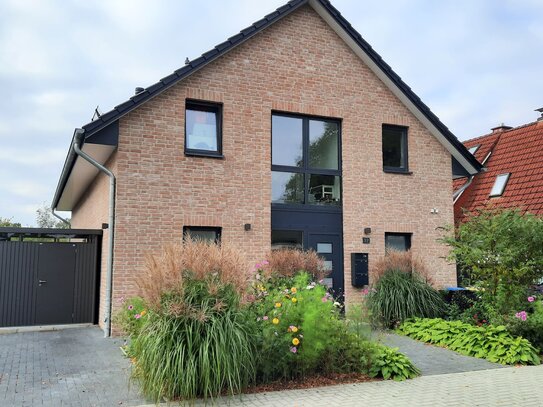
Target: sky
x: 475, y: 63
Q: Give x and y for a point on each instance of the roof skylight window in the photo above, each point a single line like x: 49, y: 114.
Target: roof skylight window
x: 473, y: 149
x: 499, y: 184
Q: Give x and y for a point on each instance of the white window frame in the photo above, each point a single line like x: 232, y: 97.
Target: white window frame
x: 499, y: 184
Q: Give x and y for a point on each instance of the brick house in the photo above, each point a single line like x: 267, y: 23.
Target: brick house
x: 513, y: 176
x: 293, y: 132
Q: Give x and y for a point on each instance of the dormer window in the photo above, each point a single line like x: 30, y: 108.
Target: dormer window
x: 499, y: 185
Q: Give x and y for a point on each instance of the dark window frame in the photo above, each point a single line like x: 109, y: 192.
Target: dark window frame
x: 205, y: 106
x: 404, y: 168
x: 408, y: 237
x: 216, y: 229
x: 305, y: 169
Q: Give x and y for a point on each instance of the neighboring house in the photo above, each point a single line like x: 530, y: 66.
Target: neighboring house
x: 513, y: 158
x: 293, y: 132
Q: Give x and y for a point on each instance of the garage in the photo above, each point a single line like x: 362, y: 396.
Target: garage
x: 49, y: 276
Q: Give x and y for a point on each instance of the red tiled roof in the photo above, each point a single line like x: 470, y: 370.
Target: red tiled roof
x: 518, y: 151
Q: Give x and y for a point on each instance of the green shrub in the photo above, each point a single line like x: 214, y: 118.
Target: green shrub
x: 529, y: 327
x: 500, y: 251
x: 493, y: 343
x: 391, y: 364
x: 303, y: 332
x: 197, y: 344
x: 399, y: 296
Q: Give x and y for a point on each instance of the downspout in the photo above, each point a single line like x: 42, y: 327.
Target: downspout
x: 459, y: 191
x: 59, y: 217
x: 78, y: 141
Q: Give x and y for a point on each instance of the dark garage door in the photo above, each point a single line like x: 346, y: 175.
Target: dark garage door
x: 48, y: 277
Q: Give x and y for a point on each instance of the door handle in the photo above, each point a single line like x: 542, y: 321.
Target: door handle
x: 40, y: 282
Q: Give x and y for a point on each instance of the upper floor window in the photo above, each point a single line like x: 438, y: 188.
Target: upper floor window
x: 305, y: 160
x: 203, y: 129
x: 395, y: 149
x: 499, y: 184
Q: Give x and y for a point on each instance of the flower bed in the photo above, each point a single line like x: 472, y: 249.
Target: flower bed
x: 201, y: 329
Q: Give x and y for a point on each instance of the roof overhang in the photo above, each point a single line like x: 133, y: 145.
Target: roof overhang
x: 77, y: 173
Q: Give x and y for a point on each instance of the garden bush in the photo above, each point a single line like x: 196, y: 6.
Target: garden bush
x: 405, y: 261
x: 288, y: 262
x: 198, y: 339
x: 528, y: 322
x: 501, y: 252
x: 130, y: 318
x: 302, y: 332
x: 391, y: 364
x: 493, y: 343
x: 398, y: 295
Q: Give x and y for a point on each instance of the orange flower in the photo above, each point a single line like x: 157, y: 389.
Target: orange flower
x: 293, y: 290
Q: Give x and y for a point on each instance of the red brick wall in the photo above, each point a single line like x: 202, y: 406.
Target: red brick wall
x: 297, y: 65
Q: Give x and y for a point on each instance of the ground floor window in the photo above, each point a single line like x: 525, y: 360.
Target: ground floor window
x: 205, y: 233
x: 287, y: 239
x: 397, y: 241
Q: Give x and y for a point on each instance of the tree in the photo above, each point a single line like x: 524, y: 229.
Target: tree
x: 45, y: 219
x: 502, y: 252
x: 8, y: 223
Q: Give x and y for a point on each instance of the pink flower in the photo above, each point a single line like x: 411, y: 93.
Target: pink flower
x: 522, y: 315
x: 137, y: 316
x: 130, y: 307
x: 324, y: 299
x: 265, y: 318
x: 365, y: 291
x: 265, y: 263
x: 531, y: 299
x: 294, y: 349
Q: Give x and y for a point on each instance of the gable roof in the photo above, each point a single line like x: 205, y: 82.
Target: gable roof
x: 517, y: 151
x: 343, y: 28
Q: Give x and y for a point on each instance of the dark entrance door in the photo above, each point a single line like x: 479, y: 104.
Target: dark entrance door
x: 328, y: 247
x: 55, y: 284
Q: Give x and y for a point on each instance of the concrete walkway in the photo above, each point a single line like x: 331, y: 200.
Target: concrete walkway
x: 433, y: 360
x: 506, y: 387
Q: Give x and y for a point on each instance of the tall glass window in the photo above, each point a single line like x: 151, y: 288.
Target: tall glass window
x: 306, y: 165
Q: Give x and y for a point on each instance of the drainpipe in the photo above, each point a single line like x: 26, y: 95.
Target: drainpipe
x: 459, y: 191
x: 56, y: 215
x: 78, y: 141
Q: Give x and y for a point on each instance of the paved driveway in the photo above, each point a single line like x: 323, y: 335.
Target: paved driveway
x: 73, y: 367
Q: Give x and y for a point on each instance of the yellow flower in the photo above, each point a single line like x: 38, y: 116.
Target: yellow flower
x: 275, y: 321
x: 294, y: 300
x: 294, y: 329
x: 295, y: 341
x: 293, y: 290
x: 277, y: 305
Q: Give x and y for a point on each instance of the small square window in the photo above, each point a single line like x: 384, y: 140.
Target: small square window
x: 205, y: 233
x: 395, y: 149
x: 499, y: 185
x: 398, y: 241
x: 203, y: 129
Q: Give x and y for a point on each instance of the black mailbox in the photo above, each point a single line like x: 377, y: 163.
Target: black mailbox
x: 359, y: 269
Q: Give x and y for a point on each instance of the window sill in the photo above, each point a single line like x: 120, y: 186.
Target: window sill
x: 206, y: 154
x: 397, y: 171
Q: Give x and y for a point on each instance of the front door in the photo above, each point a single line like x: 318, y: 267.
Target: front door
x: 55, y: 285
x: 328, y: 247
